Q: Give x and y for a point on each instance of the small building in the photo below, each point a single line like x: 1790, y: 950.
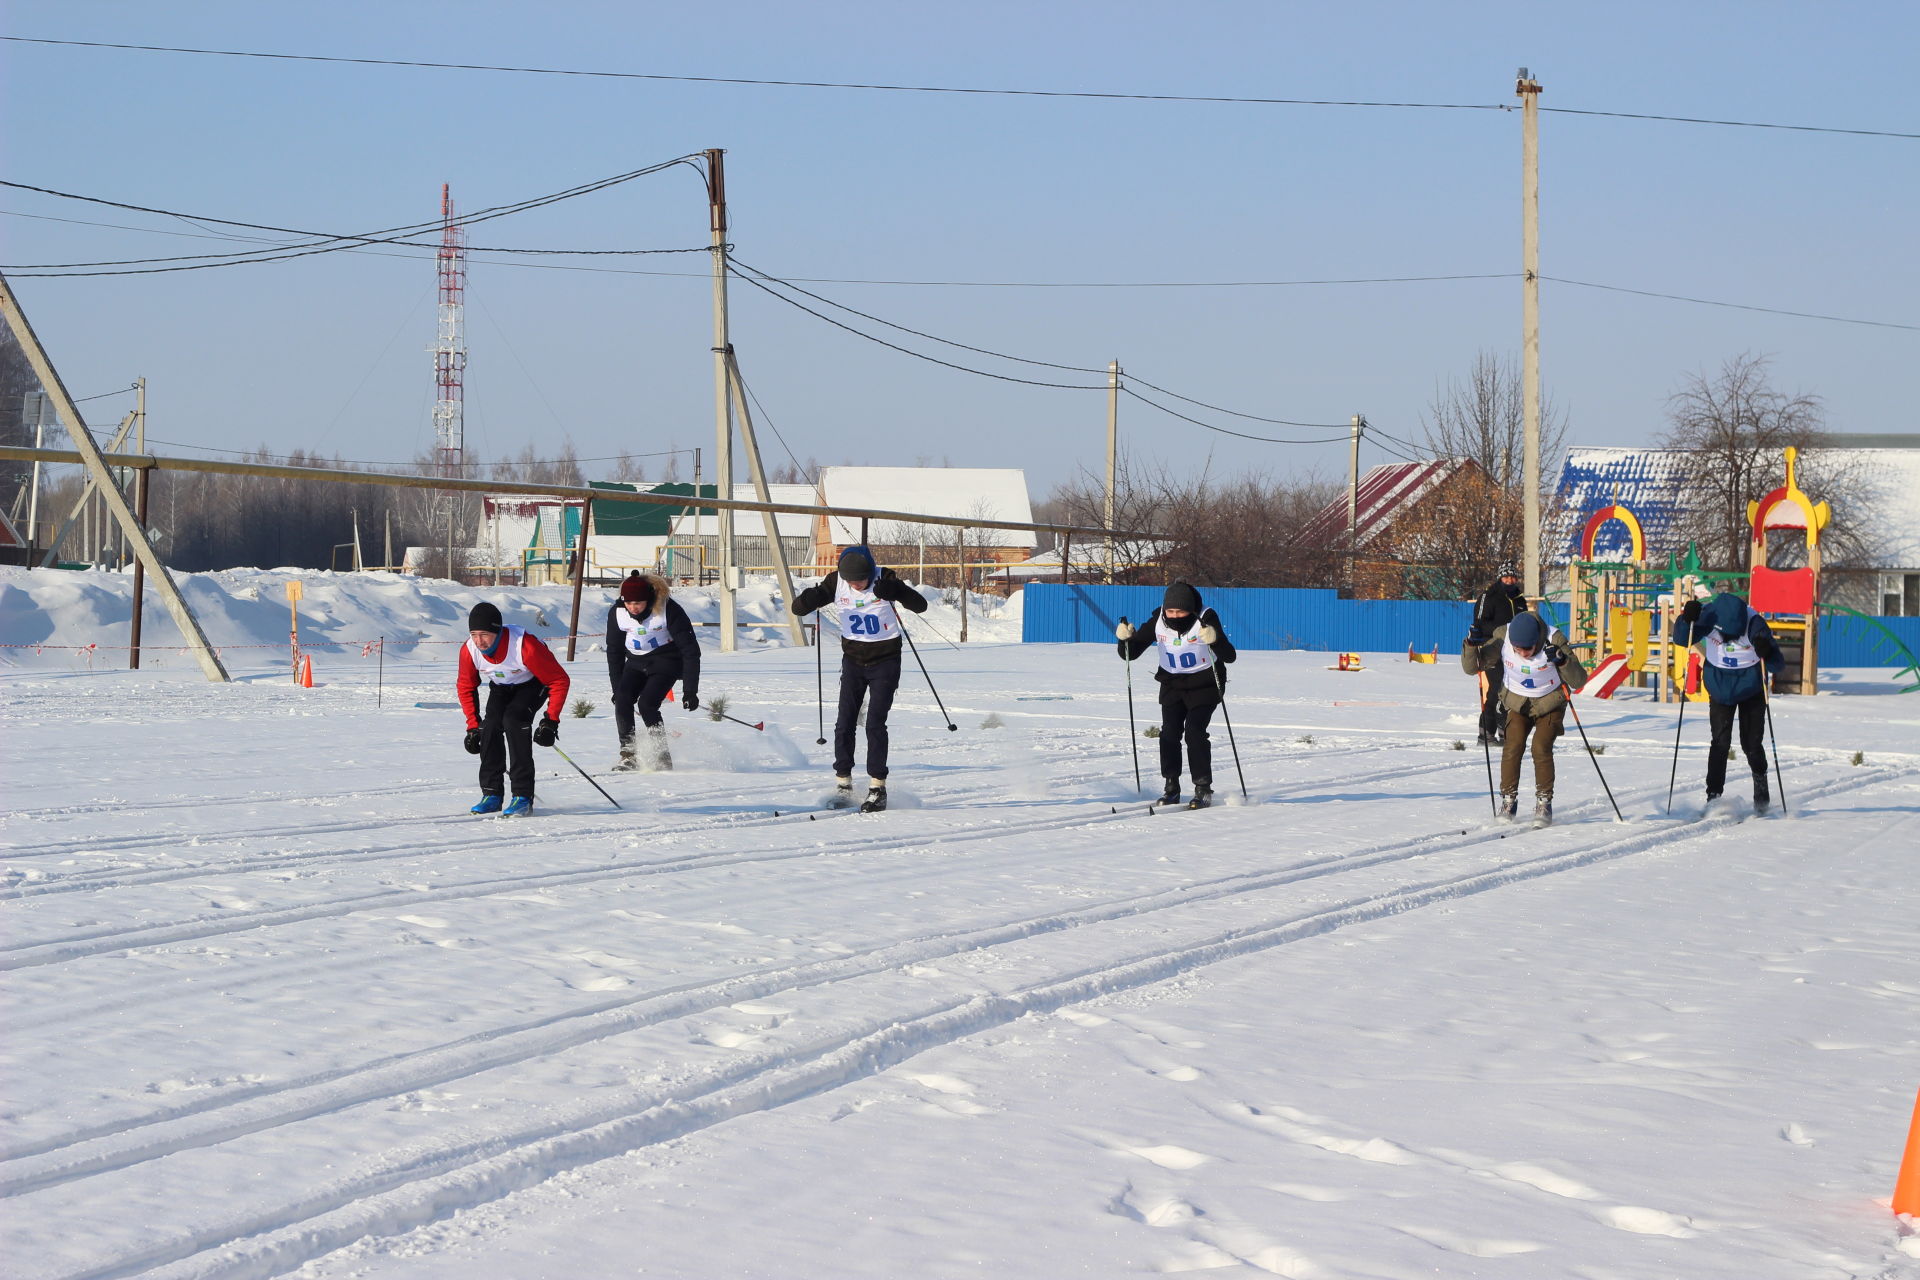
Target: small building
x: 1392, y: 504
x: 932, y: 553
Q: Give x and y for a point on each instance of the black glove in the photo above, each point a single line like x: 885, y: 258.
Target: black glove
x: 1765, y: 647
x: 546, y: 731
x: 888, y: 587
x: 472, y: 743
x: 1476, y: 637
x: 690, y: 698
x: 1556, y: 655
x: 1691, y: 611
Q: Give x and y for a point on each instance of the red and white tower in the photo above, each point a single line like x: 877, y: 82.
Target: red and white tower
x: 450, y: 351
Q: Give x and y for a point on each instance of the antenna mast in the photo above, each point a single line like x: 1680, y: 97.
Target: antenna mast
x: 450, y: 352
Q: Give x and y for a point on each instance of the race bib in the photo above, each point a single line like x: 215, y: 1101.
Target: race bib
x: 865, y: 616
x: 1181, y: 651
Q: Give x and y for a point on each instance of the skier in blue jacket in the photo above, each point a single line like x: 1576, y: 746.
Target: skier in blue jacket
x: 1734, y: 641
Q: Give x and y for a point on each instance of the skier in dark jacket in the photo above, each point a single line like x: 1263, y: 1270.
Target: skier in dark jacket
x: 1192, y: 675
x: 1501, y: 603
x: 650, y: 644
x: 522, y: 676
x: 867, y: 598
x: 1733, y: 641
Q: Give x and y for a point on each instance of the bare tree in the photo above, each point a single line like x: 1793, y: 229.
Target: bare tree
x: 1484, y: 418
x: 1734, y: 425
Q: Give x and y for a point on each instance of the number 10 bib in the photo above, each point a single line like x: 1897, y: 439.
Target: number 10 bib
x: 1181, y: 651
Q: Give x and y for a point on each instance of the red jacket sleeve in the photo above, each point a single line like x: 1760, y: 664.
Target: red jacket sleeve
x: 468, y: 685
x: 547, y: 670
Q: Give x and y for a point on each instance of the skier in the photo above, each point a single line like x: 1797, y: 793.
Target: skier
x: 1193, y: 646
x: 1538, y: 672
x: 1500, y: 604
x: 520, y: 672
x: 1733, y: 641
x: 650, y: 644
x: 868, y: 598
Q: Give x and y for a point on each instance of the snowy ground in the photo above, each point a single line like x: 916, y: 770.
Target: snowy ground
x: 275, y: 1006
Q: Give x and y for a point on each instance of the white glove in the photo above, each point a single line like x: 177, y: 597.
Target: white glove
x: 1208, y: 635
x: 1123, y: 632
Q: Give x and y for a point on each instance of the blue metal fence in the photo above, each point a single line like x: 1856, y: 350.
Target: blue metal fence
x: 1289, y: 618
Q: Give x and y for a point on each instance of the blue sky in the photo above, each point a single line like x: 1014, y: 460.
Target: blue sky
x: 329, y: 352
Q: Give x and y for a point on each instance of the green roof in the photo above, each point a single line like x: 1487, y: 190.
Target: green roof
x: 643, y: 519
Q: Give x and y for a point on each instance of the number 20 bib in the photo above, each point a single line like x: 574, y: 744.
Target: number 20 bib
x: 865, y: 616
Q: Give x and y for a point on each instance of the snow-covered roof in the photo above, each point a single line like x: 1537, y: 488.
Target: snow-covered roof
x: 1385, y: 494
x: 1648, y: 481
x: 751, y: 524
x: 983, y: 493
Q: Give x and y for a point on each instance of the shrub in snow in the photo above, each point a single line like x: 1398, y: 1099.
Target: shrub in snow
x: 1459, y: 745
x: 717, y: 709
x: 581, y: 708
x: 1859, y: 757
x: 993, y: 721
x: 1305, y: 739
x: 1151, y: 731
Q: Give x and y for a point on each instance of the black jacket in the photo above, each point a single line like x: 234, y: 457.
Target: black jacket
x: 1500, y: 605
x: 888, y: 587
x: 680, y: 659
x: 1142, y: 640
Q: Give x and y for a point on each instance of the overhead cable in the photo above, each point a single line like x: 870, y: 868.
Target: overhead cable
x: 949, y: 89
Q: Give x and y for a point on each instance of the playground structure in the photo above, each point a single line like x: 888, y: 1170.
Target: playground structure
x: 1622, y: 612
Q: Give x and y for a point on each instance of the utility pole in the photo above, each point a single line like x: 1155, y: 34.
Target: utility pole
x: 1113, y: 447
x: 1353, y: 496
x: 1528, y: 90
x: 388, y: 566
x: 761, y: 491
x: 39, y: 402
x: 722, y: 390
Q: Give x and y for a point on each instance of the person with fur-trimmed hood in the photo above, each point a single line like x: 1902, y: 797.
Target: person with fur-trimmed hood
x: 1537, y: 672
x: 1192, y: 676
x: 522, y: 676
x: 867, y: 598
x: 1734, y: 641
x: 650, y: 644
x: 1500, y: 603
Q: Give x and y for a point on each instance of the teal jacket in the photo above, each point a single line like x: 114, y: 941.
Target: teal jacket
x: 1731, y: 617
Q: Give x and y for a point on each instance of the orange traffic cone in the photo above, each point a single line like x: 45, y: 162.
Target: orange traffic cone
x: 306, y: 671
x: 1906, y: 1187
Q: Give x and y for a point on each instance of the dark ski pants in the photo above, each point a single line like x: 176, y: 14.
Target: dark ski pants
x: 648, y: 691
x: 507, y: 730
x: 1545, y: 729
x: 876, y: 683
x: 1753, y: 724
x: 1185, y: 713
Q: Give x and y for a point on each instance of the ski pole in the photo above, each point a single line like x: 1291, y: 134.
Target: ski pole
x: 1674, y: 773
x: 819, y: 686
x: 1133, y: 730
x: 380, y: 678
x: 1596, y: 759
x: 1486, y: 750
x: 1774, y: 743
x: 583, y: 773
x: 737, y: 720
x: 1220, y: 686
x: 951, y: 726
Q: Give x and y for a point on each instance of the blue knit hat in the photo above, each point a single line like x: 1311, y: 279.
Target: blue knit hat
x: 1526, y: 631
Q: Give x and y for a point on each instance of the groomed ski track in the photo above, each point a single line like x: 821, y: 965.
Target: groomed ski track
x: 137, y: 895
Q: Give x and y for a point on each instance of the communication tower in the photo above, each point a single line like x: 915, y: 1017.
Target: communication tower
x: 450, y: 351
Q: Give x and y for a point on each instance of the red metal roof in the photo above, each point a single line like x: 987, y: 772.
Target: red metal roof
x: 1386, y: 493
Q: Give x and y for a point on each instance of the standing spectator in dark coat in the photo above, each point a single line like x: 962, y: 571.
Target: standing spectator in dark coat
x: 1500, y: 604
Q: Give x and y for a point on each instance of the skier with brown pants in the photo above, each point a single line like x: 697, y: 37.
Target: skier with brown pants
x: 1538, y: 673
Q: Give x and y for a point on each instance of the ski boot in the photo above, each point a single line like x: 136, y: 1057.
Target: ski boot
x: 518, y: 807
x: 1762, y: 798
x: 842, y: 797
x: 1171, y: 793
x: 629, y: 760
x: 1509, y: 806
x: 1202, y: 795
x: 489, y: 803
x: 660, y: 760
x: 1715, y: 806
x: 876, y: 801
x: 1542, y: 811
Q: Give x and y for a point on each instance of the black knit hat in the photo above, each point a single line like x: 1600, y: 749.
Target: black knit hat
x: 485, y: 617
x: 636, y: 588
x: 856, y: 563
x: 1182, y: 595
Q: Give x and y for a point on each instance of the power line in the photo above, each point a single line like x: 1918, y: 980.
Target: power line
x: 313, y: 459
x: 1737, y: 306
x: 1129, y: 391
x: 945, y: 89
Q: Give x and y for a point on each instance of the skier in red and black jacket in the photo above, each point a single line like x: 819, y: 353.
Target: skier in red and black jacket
x: 521, y: 673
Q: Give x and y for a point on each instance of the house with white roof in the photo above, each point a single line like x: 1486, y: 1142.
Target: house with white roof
x: 928, y: 552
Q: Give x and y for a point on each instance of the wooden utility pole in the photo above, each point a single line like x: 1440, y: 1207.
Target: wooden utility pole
x: 761, y: 491
x: 83, y: 508
x: 103, y: 477
x: 141, y: 480
x: 1113, y: 449
x: 1353, y: 497
x: 579, y: 570
x: 1528, y: 90
x: 722, y: 390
